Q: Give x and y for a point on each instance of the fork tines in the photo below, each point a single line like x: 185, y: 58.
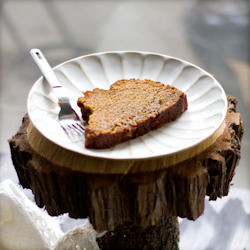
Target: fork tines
x: 75, y: 128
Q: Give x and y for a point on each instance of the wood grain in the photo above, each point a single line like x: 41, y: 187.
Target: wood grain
x: 88, y: 164
x: 145, y: 202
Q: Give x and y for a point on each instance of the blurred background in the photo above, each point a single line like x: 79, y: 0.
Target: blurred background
x: 214, y: 34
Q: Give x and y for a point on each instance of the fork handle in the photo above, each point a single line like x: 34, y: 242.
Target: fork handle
x: 49, y: 74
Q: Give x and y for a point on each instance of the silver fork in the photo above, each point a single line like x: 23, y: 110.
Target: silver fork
x: 68, y: 118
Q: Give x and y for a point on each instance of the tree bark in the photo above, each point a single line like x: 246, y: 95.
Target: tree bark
x: 138, y: 211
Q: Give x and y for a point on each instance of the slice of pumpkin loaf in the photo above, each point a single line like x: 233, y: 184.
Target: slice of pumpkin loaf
x: 130, y: 108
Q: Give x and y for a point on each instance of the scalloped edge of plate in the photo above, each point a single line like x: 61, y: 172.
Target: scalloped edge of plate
x: 93, y: 154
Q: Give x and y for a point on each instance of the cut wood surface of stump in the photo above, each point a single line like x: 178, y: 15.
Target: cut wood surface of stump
x: 146, y: 203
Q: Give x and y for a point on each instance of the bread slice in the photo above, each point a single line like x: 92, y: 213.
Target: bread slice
x: 130, y: 108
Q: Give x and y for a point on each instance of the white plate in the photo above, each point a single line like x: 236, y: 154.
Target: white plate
x: 207, y: 103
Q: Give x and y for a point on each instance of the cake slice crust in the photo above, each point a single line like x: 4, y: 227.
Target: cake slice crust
x: 130, y: 108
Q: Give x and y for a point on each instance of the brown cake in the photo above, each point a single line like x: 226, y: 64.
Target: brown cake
x: 130, y: 108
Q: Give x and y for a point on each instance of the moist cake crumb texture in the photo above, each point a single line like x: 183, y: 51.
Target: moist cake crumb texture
x: 130, y: 108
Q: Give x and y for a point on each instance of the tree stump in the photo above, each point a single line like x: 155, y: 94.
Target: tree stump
x: 133, y: 211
